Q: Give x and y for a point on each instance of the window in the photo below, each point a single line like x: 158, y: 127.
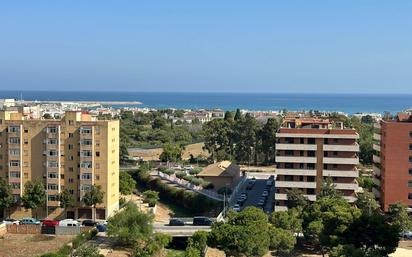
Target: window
x: 85, y: 187
x: 70, y: 180
x: 311, y: 141
x: 410, y: 171
x: 310, y: 191
x: 410, y: 158
x: 70, y: 146
x: 302, y: 140
x: 86, y: 130
x: 289, y: 140
x: 15, y: 185
x: 325, y: 141
x: 289, y: 152
x: 311, y: 153
x: 14, y: 140
x: 325, y: 166
x: 26, y: 175
x: 14, y: 129
x: 97, y: 143
x: 410, y: 147
x: 86, y: 153
x: 51, y: 130
x: 289, y: 165
x: 71, y: 158
x: 97, y: 177
x: 288, y: 178
x: 14, y: 175
x: 52, y: 187
x: 410, y: 196
x: 86, y: 176
x: 300, y: 178
x: 97, y: 165
x: 52, y: 164
x: 310, y: 179
x: 26, y: 141
x: 410, y: 183
x: 335, y: 153
x: 71, y: 169
x: 410, y: 134
x: 71, y: 191
x: 52, y: 141
x: 71, y: 122
x: 62, y: 176
x: 71, y: 135
x: 14, y: 163
x: 52, y: 198
x: 97, y: 154
x: 86, y: 165
x: 325, y: 154
x: 86, y: 142
x: 51, y: 153
x: 310, y: 166
x: 26, y: 131
x: 52, y: 175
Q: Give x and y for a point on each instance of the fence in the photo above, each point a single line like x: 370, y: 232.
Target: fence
x: 38, y: 229
x: 186, y: 184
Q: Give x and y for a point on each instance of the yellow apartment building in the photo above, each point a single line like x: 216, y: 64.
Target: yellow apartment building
x: 73, y: 153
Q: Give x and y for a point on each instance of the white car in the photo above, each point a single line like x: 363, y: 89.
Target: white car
x: 11, y: 221
x: 69, y: 223
x: 236, y: 207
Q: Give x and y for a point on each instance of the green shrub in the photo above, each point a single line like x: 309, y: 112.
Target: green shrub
x: 197, y: 181
x: 162, y: 168
x: 169, y: 171
x: 207, y: 185
x: 195, y: 171
x: 180, y: 174
x: 224, y: 190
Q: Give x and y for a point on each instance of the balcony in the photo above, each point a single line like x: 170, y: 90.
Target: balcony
x: 376, y: 170
x: 376, y: 159
x: 341, y: 148
x: 280, y: 208
x: 341, y: 173
x: 331, y: 160
x: 295, y: 184
x: 279, y: 196
x: 302, y: 135
x: 347, y: 186
x: 299, y: 147
x: 376, y: 147
x: 296, y: 172
x: 296, y: 159
x: 376, y: 192
x: 377, y: 137
x: 376, y: 181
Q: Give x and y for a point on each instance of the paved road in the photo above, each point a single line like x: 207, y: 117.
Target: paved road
x: 255, y: 193
x: 179, y: 231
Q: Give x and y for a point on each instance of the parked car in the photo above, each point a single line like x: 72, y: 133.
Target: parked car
x: 50, y: 223
x: 265, y: 193
x: 261, y: 203
x: 69, y: 223
x: 241, y: 200
x: 407, y: 235
x: 243, y: 195
x: 11, y: 221
x: 269, y: 183
x: 176, y: 222
x: 101, y: 227
x: 89, y: 223
x: 29, y: 221
x: 236, y: 207
x: 202, y: 221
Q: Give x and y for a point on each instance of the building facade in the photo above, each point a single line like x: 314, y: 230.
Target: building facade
x: 393, y: 161
x: 71, y: 154
x: 310, y: 150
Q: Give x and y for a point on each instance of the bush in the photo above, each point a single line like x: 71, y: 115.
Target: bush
x: 197, y: 181
x: 151, y: 197
x: 169, y: 171
x: 162, y: 168
x: 195, y: 171
x: 224, y: 190
x: 208, y: 185
x: 180, y: 174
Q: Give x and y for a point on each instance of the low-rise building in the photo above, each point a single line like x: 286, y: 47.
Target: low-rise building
x: 221, y: 174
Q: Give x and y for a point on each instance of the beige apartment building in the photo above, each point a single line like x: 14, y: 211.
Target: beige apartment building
x: 73, y: 153
x: 310, y: 150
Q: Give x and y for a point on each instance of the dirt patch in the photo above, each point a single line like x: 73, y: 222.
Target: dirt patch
x: 153, y: 154
x: 15, y: 245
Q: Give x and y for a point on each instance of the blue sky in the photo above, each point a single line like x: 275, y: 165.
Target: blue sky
x: 231, y: 46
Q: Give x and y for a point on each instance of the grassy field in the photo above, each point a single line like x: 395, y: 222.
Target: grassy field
x: 153, y: 154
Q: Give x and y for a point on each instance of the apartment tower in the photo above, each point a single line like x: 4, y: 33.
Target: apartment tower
x: 72, y: 153
x: 308, y: 151
x: 392, y: 159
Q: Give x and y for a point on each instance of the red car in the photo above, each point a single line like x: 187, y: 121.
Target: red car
x: 50, y: 223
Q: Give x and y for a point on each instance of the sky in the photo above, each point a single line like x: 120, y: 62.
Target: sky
x: 289, y: 46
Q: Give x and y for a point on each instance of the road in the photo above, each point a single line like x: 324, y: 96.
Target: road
x: 179, y: 231
x: 255, y: 193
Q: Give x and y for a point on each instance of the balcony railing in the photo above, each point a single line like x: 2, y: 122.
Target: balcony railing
x: 279, y: 196
x: 376, y: 170
x: 331, y: 160
x: 295, y: 184
x: 347, y: 186
x: 376, y: 147
x: 299, y: 147
x: 296, y: 159
x: 342, y: 148
x: 377, y: 137
x: 296, y: 172
x: 341, y: 173
x: 376, y: 159
x: 376, y: 192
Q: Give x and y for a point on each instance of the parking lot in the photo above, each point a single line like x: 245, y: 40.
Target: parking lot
x: 255, y: 194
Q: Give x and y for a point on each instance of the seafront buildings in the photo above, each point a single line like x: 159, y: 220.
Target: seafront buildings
x: 73, y: 153
x: 308, y: 151
x: 393, y: 161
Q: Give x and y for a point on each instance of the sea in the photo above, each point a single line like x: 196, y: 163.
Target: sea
x: 347, y: 103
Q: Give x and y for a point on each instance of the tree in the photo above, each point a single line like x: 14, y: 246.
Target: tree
x: 328, y: 189
x: 217, y: 137
x: 296, y: 198
x: 327, y: 220
x: 367, y: 119
x: 282, y: 241
x: 171, y: 153
x: 126, y: 183
x: 93, y: 197
x: 288, y: 220
x: 123, y: 152
x: 66, y: 199
x: 151, y: 197
x: 6, y: 195
x: 268, y: 137
x: 130, y: 225
x: 47, y: 116
x: 152, y: 245
x: 366, y: 202
x: 34, y: 195
x: 238, y: 115
x: 159, y: 123
x: 196, y: 244
x: 398, y: 216
x: 245, y: 233
x: 228, y: 115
